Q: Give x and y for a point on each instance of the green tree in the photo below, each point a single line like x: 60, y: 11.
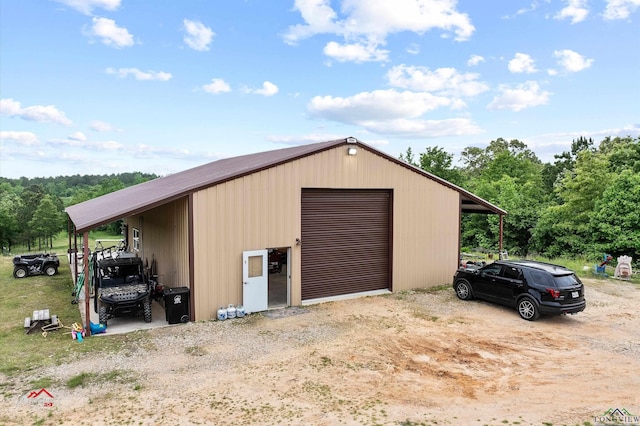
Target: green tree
x: 9, y: 206
x: 564, y: 228
x: 507, y: 174
x: 46, y: 221
x: 31, y: 198
x: 437, y: 161
x: 624, y: 153
x: 408, y: 157
x: 615, y: 223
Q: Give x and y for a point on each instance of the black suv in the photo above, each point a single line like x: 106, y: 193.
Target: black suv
x: 534, y: 288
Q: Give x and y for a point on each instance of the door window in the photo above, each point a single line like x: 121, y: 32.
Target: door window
x: 512, y: 273
x: 492, y: 269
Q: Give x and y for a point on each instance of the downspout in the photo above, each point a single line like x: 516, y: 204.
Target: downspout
x: 87, y: 279
x: 190, y: 227
x: 500, y: 237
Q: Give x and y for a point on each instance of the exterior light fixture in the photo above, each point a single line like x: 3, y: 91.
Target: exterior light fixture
x: 352, y: 150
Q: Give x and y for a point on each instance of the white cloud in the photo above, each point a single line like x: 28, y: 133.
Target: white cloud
x: 39, y: 113
x: 377, y: 105
x: 446, y: 81
x: 392, y: 113
x: 576, y: 10
x: 533, y: 6
x: 368, y: 23
x: 424, y: 128
x: 87, y: 6
x: 198, y: 36
x: 355, y: 52
x: 413, y: 49
x: 110, y: 33
x: 101, y: 126
x: 620, y: 9
x: 77, y: 136
x: 474, y: 60
x: 104, y: 146
x: 572, y: 61
x: 522, y: 63
x: 268, y: 89
x: 65, y: 142
x: 523, y: 96
x: 140, y: 75
x: 19, y: 138
x: 216, y: 86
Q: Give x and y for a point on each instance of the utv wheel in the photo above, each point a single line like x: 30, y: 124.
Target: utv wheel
x: 463, y: 290
x: 20, y: 272
x: 146, y: 308
x: 102, y: 314
x: 527, y: 309
x: 50, y: 270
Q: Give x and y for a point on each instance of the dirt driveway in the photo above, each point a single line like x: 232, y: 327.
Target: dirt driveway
x: 409, y: 358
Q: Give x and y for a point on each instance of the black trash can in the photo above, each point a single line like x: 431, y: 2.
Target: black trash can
x: 176, y: 304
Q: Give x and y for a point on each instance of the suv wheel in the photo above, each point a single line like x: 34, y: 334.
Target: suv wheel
x: 102, y: 314
x: 527, y: 309
x: 463, y: 290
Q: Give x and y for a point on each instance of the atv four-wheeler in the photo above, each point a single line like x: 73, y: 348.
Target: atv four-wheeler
x: 35, y: 264
x: 121, y: 288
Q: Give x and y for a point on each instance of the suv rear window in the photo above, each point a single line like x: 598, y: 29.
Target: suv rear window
x: 566, y: 280
x: 541, y: 278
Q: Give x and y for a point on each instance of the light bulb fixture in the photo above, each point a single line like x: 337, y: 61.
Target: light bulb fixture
x: 352, y: 150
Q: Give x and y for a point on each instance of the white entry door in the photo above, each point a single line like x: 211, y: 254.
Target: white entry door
x: 255, y: 281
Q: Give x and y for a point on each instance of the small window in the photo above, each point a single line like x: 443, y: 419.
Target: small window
x: 136, y: 239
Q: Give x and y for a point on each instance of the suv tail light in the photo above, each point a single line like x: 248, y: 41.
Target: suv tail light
x: 553, y: 292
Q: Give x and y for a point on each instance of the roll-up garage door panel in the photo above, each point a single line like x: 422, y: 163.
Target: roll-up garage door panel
x: 345, y: 242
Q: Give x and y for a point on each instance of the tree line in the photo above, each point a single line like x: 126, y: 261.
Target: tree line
x: 584, y: 203
x: 32, y: 209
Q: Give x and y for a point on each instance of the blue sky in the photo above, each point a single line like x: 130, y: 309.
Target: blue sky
x: 110, y: 86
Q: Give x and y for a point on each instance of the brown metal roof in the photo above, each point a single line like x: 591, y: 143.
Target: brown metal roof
x: 145, y: 196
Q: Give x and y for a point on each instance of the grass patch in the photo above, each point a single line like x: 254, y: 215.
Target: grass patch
x: 61, y: 243
x: 21, y: 353
x: 113, y: 376
x: 43, y: 382
x: 434, y: 289
x: 79, y: 380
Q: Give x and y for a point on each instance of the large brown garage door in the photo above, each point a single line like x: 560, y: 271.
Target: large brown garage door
x: 345, y: 241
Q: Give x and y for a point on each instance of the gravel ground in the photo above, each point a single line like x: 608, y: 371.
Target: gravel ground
x: 409, y: 358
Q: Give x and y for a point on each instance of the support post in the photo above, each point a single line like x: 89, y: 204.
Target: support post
x: 87, y: 280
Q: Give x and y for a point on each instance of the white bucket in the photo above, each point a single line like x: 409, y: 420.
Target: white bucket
x: 240, y: 311
x: 231, y: 311
x: 222, y: 314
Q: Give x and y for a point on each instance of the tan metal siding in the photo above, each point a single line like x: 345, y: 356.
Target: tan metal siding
x: 262, y: 210
x: 164, y: 237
